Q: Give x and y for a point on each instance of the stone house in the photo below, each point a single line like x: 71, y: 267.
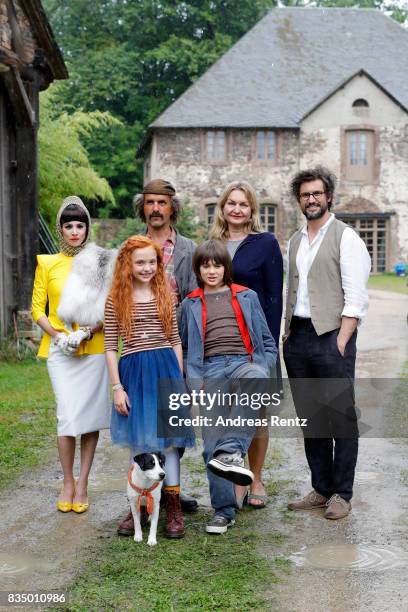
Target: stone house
x: 29, y: 61
x: 305, y: 86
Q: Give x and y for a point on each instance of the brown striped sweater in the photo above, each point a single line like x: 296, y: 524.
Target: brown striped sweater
x: 147, y: 330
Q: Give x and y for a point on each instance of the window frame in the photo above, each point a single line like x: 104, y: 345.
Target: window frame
x: 274, y: 207
x: 204, y: 146
x: 265, y: 161
x: 355, y: 220
x: 207, y: 205
x: 356, y: 173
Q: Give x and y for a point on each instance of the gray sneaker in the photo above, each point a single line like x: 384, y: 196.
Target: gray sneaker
x: 219, y: 524
x: 231, y: 467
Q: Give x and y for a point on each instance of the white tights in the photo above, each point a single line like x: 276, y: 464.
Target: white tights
x: 172, y: 466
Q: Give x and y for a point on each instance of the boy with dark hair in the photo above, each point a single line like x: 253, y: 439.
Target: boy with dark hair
x: 226, y: 338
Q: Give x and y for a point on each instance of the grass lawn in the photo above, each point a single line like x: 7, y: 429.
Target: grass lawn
x: 27, y: 417
x: 388, y: 282
x: 200, y: 572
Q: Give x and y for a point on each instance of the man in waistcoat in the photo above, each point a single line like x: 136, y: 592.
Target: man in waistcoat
x: 328, y: 269
x: 159, y: 207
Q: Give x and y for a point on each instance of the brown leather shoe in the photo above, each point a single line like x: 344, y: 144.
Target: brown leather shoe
x: 127, y: 527
x: 337, y: 507
x: 309, y: 502
x: 175, y: 522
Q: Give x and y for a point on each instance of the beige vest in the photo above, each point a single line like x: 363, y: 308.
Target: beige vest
x: 326, y: 295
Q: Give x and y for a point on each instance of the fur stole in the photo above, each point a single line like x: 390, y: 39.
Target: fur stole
x: 86, y: 289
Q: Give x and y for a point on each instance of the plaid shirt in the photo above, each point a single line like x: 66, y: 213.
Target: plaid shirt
x: 168, y: 261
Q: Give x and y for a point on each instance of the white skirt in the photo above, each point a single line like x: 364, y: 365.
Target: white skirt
x: 81, y: 388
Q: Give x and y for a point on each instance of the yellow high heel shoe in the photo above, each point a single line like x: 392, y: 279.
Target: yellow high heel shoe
x: 64, y: 506
x: 80, y: 507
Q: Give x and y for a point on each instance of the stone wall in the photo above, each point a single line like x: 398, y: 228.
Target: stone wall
x: 179, y: 156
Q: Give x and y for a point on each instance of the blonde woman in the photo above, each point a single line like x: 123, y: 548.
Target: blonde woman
x: 257, y: 264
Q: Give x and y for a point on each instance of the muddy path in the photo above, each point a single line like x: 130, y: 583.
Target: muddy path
x: 359, y: 563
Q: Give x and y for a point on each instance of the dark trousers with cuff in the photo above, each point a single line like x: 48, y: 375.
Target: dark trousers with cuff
x: 322, y: 385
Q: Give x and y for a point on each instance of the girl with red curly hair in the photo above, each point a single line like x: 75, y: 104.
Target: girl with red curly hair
x: 140, y: 312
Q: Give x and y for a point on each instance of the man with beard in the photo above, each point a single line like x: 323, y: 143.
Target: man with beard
x: 328, y: 269
x: 159, y: 208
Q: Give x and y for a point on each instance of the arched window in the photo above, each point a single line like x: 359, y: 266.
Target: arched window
x: 360, y: 103
x: 268, y: 217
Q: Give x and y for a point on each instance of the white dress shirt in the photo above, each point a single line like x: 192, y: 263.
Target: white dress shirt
x: 355, y: 266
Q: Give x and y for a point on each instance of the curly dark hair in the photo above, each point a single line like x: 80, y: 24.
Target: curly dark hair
x: 312, y: 174
x: 138, y: 207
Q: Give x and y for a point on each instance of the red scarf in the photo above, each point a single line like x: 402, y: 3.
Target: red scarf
x: 143, y: 493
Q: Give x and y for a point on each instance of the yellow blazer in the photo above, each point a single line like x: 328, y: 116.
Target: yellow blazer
x: 50, y: 276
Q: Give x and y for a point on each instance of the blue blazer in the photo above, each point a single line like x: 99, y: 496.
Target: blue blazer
x: 258, y: 264
x: 191, y: 332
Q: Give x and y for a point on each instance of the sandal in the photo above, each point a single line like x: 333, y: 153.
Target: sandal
x: 262, y: 498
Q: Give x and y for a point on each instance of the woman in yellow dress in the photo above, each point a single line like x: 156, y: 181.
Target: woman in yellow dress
x: 75, y: 355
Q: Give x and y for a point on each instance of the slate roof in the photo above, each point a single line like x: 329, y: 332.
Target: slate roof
x: 288, y: 63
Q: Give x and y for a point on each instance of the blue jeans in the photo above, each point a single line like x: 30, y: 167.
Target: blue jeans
x: 223, y: 369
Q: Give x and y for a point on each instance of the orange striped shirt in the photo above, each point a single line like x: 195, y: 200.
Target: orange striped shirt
x: 147, y: 330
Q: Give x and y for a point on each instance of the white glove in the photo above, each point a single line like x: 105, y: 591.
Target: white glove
x: 61, y: 341
x: 75, y: 338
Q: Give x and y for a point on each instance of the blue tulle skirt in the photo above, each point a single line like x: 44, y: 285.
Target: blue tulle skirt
x: 147, y: 377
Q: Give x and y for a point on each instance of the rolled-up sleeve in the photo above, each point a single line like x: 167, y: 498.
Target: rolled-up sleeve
x: 355, y: 266
x: 40, y: 292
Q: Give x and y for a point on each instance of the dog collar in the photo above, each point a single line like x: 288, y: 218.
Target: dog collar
x: 143, y: 493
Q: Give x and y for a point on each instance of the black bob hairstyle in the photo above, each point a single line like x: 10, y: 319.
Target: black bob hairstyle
x: 73, y: 212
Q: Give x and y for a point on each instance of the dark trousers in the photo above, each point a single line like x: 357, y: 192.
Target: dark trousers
x: 322, y: 385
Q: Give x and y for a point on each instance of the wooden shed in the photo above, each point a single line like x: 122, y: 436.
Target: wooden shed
x: 29, y: 61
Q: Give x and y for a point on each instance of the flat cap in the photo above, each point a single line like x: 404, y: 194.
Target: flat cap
x: 160, y: 187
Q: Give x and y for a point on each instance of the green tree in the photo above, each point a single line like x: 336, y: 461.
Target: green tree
x: 64, y: 166
x: 132, y: 58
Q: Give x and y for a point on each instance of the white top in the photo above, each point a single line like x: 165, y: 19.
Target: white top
x: 355, y: 266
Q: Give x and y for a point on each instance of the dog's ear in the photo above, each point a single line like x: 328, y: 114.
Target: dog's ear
x: 162, y: 459
x: 140, y: 460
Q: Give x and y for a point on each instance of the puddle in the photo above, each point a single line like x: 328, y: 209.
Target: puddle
x: 358, y: 557
x: 12, y: 564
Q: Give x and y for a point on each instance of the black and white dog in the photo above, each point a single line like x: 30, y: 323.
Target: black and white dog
x: 145, y: 481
